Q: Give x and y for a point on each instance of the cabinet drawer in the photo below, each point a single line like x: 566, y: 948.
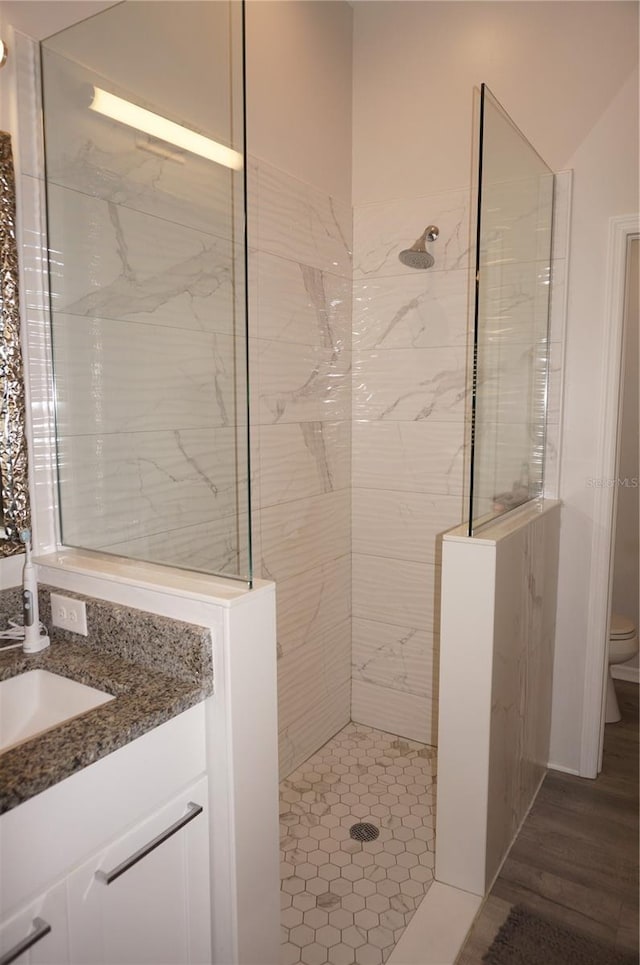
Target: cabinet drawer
x: 145, y: 897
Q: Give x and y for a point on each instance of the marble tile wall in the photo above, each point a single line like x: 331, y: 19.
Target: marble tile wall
x: 147, y: 340
x: 151, y: 463
x: 409, y: 406
x: 359, y: 393
x: 410, y: 403
x: 522, y: 671
x: 300, y: 244
x: 514, y: 347
x: 497, y: 661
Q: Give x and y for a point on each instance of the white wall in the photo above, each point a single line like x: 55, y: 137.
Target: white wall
x: 299, y: 90
x: 415, y: 65
x: 627, y: 532
x: 41, y: 18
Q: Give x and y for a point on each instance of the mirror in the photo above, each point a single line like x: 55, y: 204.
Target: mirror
x: 13, y: 444
x: 145, y: 181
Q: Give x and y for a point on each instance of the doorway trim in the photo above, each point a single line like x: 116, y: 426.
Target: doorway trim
x: 621, y: 228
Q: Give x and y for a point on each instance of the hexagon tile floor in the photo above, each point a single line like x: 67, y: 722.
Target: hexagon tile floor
x: 347, y: 902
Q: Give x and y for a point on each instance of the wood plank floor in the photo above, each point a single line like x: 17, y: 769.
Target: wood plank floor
x: 575, y: 859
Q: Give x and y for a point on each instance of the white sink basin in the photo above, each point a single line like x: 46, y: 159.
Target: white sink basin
x: 38, y: 700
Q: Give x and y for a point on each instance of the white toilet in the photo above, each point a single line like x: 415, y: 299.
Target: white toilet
x: 623, y: 645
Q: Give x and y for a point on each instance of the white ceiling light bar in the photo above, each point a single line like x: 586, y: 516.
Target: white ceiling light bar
x: 155, y: 125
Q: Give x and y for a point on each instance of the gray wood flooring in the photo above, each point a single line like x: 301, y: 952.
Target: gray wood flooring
x: 575, y: 859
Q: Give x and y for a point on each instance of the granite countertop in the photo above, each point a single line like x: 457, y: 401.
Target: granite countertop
x: 146, y: 696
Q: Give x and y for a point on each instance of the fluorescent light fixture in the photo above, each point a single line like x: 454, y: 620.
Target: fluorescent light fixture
x: 155, y: 125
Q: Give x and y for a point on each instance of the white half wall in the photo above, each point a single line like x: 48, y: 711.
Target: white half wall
x: 496, y: 658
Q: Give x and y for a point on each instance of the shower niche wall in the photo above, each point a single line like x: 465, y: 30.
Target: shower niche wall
x: 148, y: 283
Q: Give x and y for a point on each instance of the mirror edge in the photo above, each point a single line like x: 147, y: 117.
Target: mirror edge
x: 14, y: 461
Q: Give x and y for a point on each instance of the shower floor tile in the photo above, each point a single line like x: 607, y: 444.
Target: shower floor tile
x: 346, y: 902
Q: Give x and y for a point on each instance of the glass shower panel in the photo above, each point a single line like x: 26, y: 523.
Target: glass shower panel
x: 143, y: 121
x: 513, y: 277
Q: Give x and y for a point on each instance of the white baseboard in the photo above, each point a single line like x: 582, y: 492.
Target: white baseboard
x: 564, y: 770
x: 620, y: 672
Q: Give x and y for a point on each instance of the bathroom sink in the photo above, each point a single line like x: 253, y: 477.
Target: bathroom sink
x: 36, y: 701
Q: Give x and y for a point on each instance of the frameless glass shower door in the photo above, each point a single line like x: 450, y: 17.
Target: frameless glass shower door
x: 144, y: 143
x: 512, y: 292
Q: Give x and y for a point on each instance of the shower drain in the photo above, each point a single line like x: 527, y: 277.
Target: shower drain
x: 363, y: 831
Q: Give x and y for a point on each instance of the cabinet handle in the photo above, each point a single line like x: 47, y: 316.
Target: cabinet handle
x: 193, y: 810
x: 42, y: 928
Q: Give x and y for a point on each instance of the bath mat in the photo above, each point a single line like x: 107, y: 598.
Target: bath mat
x: 527, y: 939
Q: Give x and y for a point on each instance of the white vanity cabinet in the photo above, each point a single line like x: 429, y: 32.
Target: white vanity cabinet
x: 115, y: 859
x: 128, y: 904
x: 41, y: 928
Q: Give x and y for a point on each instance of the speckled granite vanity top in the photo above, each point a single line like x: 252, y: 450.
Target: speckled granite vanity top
x: 155, y: 667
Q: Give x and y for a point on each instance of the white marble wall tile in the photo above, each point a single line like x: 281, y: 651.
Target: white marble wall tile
x: 426, y: 457
x: 526, y: 576
x: 304, y: 534
x: 301, y: 383
x: 297, y: 221
x: 309, y: 604
x: 381, y: 231
x: 117, y: 376
x: 309, y: 673
x: 422, y: 310
x: 99, y: 157
x: 300, y: 363
x: 402, y: 525
x: 302, y: 304
x: 301, y: 459
x: 217, y: 546
x: 409, y: 403
x: 114, y: 262
x: 399, y: 658
x: 512, y: 382
x: 408, y: 716
x: 384, y: 588
x: 509, y: 463
x: 122, y: 486
x: 318, y: 723
x: 411, y: 384
x: 516, y: 218
x: 514, y: 302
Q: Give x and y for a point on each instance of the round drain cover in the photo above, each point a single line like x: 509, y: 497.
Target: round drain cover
x: 363, y: 831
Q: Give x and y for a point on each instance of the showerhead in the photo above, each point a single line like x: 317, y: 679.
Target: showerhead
x: 417, y: 255
x: 416, y: 258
